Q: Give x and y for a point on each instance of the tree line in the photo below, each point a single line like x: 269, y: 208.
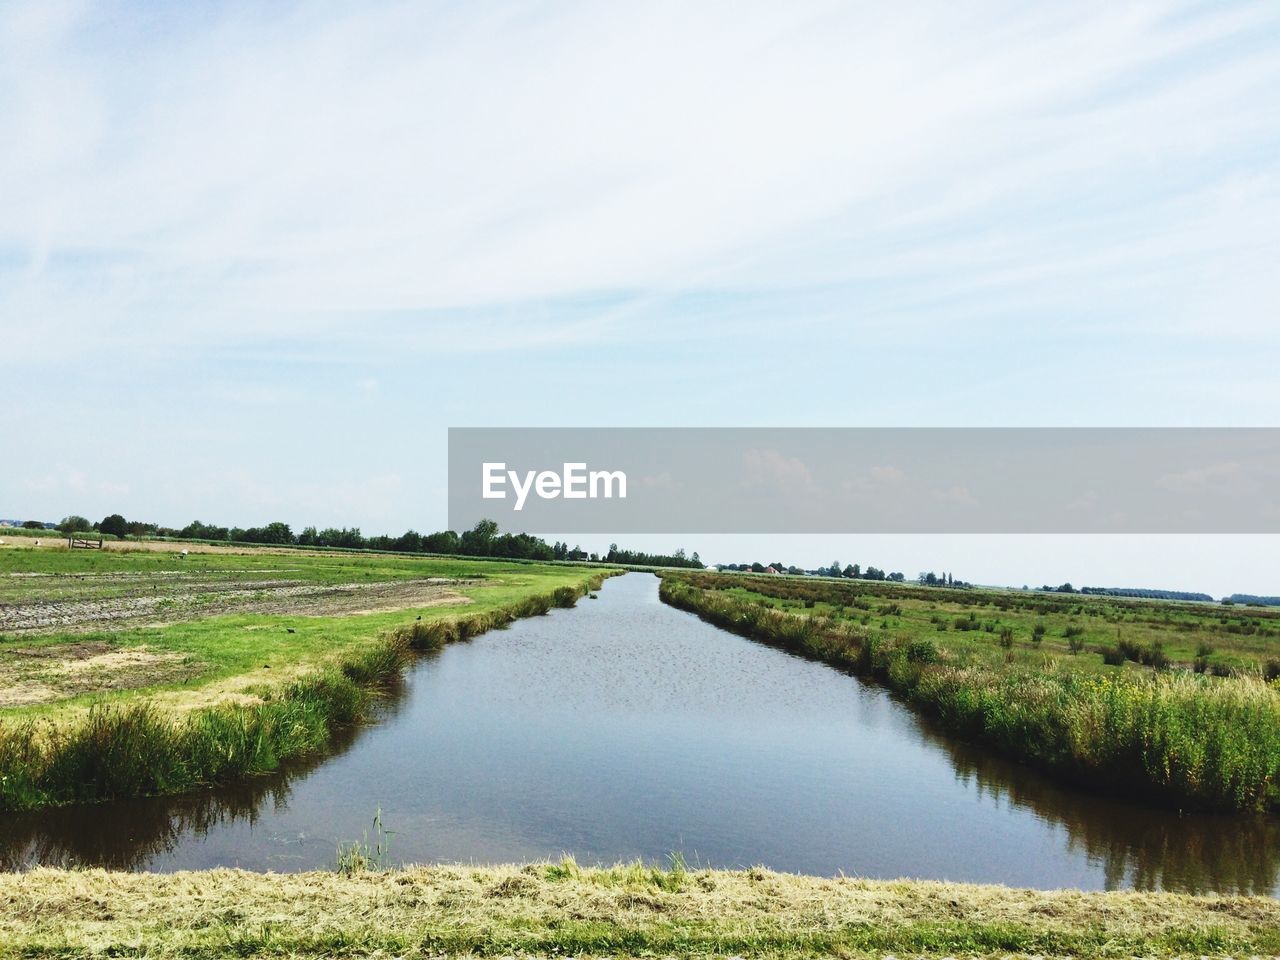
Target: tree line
x: 1146, y: 593
x: 482, y: 540
x: 852, y: 571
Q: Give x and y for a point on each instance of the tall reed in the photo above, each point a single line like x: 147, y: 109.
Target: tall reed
x: 1181, y: 739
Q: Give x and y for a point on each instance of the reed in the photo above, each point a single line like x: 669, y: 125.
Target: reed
x: 1181, y: 739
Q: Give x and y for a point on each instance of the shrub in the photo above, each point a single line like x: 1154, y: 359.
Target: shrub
x: 922, y: 651
x: 1006, y: 637
x: 1113, y: 656
x: 1131, y: 649
x: 1154, y: 656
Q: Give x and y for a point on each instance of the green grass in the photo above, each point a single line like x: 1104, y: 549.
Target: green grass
x: 240, y: 645
x: 229, y: 717
x: 561, y: 909
x: 1145, y: 727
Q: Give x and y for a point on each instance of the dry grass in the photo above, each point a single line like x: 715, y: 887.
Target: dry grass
x: 46, y: 674
x: 540, y: 910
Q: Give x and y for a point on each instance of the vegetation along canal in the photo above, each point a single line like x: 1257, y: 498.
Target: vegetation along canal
x: 627, y: 729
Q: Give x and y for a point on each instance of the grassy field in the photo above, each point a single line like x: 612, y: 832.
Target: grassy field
x: 131, y: 672
x: 1175, y: 702
x: 561, y: 910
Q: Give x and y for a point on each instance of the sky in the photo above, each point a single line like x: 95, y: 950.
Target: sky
x: 255, y: 259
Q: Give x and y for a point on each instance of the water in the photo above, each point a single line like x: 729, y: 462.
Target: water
x: 625, y: 729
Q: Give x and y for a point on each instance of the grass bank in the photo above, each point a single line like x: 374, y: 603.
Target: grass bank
x: 1180, y: 738
x: 559, y: 909
x: 146, y: 741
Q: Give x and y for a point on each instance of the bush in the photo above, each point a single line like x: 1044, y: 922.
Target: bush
x: 1154, y: 656
x: 1113, y: 656
x: 1130, y: 648
x: 1006, y: 637
x: 922, y: 651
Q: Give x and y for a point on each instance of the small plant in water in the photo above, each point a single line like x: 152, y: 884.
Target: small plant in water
x: 359, y: 857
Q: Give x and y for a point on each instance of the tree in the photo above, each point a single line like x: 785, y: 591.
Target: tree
x: 32, y: 525
x: 115, y: 525
x: 277, y: 532
x: 74, y: 524
x: 476, y: 540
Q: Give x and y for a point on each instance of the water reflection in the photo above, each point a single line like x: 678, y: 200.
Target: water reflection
x: 1136, y: 847
x: 624, y: 728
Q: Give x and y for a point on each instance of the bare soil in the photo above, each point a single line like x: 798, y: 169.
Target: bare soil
x: 186, y: 599
x: 44, y: 674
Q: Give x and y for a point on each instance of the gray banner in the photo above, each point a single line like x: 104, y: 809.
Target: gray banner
x: 866, y: 480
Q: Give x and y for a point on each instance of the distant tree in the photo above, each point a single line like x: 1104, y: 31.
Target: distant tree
x: 409, y: 542
x: 446, y: 541
x: 115, y: 525
x: 32, y: 525
x: 74, y: 524
x: 850, y: 571
x: 476, y: 541
x: 277, y: 534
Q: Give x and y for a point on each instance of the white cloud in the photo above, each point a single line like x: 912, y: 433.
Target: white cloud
x: 280, y: 172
